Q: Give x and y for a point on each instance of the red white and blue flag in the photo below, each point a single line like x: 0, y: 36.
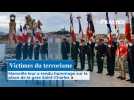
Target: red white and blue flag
x: 128, y: 28
x: 109, y: 30
x: 90, y: 27
x: 72, y: 33
x: 80, y: 28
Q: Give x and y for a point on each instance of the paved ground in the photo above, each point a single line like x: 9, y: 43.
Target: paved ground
x: 102, y: 80
x: 97, y: 80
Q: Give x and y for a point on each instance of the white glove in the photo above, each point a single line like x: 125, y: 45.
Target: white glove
x: 96, y: 45
x: 130, y: 44
x: 118, y: 41
x: 28, y: 44
x: 109, y: 46
x: 89, y: 42
x: 102, y: 58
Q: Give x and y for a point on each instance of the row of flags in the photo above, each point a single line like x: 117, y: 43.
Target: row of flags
x: 90, y: 28
x: 129, y: 27
x: 27, y: 35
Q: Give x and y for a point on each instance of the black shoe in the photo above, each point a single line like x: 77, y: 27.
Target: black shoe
x: 132, y: 81
x: 107, y: 74
x: 78, y: 69
x: 119, y: 77
x: 111, y: 75
x: 123, y: 78
x: 99, y: 72
x: 90, y: 70
x: 82, y: 69
x: 128, y: 80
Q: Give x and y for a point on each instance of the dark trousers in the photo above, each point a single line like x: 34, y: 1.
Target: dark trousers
x: 75, y: 59
x: 36, y: 55
x: 92, y: 62
x: 89, y: 62
x: 131, y: 70
x: 30, y: 54
x: 110, y: 65
x: 100, y: 64
x: 64, y: 56
x: 24, y: 55
x: 18, y: 56
x: 82, y: 61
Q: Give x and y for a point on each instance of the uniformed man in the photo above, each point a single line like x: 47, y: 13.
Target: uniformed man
x: 75, y: 52
x: 44, y: 49
x: 36, y: 50
x: 90, y: 54
x: 130, y: 59
x: 122, y: 52
x: 25, y: 50
x: 30, y: 50
x: 65, y: 49
x: 19, y: 50
x: 82, y: 53
x: 111, y: 49
x: 100, y: 54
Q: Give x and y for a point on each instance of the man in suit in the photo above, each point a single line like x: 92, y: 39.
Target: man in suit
x: 44, y: 49
x: 130, y: 59
x: 19, y: 50
x: 25, y: 50
x: 75, y: 52
x: 65, y: 49
x: 82, y: 53
x: 111, y: 49
x: 30, y: 50
x: 36, y: 50
x: 100, y: 54
x: 90, y: 54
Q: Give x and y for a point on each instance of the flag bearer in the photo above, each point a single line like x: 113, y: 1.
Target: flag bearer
x: 130, y: 59
x: 82, y: 53
x: 111, y: 49
x: 25, y: 50
x: 65, y: 49
x: 90, y: 54
x: 100, y: 54
x: 19, y: 50
x: 30, y: 49
x: 36, y: 50
x: 44, y: 50
x: 75, y: 52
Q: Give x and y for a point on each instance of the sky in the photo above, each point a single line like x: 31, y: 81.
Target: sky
x: 54, y: 21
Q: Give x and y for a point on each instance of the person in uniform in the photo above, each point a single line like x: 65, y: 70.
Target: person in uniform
x: 100, y: 54
x: 19, y: 50
x: 111, y: 50
x: 122, y: 52
x: 65, y: 49
x: 25, y: 50
x: 36, y: 50
x: 75, y: 52
x: 130, y: 59
x: 90, y: 54
x: 30, y: 50
x: 44, y: 50
x: 82, y: 53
